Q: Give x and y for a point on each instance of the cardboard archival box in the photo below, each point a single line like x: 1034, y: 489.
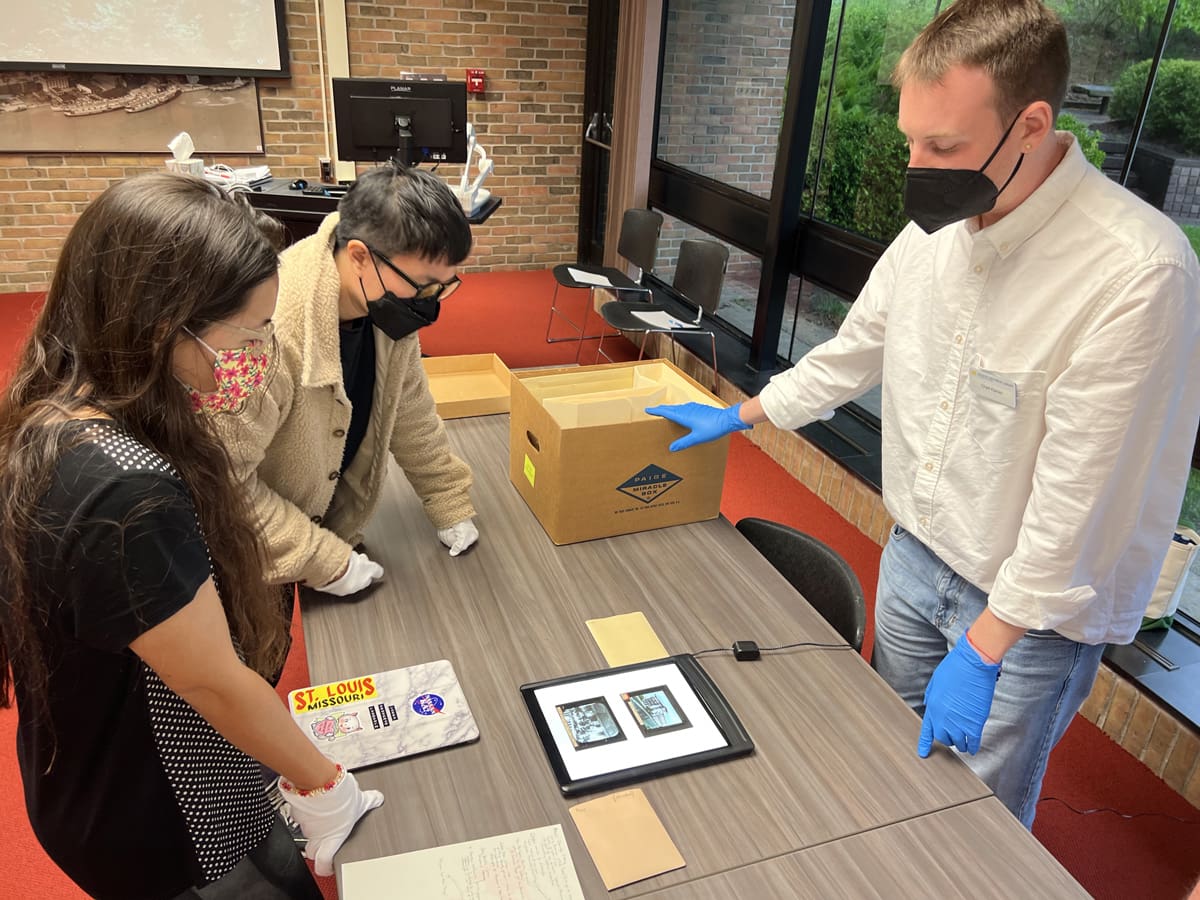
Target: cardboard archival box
x: 591, y: 463
x: 473, y: 385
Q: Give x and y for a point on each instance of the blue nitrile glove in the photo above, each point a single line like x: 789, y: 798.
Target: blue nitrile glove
x: 707, y: 423
x: 958, y: 700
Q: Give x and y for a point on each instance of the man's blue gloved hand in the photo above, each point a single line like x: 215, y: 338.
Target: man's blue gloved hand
x: 958, y: 700
x: 707, y: 423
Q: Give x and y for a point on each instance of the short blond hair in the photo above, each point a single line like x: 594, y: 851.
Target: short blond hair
x: 1021, y: 44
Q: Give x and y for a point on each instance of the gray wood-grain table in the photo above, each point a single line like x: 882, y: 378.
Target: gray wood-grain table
x: 835, y: 747
x: 976, y: 850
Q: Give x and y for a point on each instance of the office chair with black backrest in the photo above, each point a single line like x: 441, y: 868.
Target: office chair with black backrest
x: 637, y: 243
x: 699, y: 277
x: 816, y: 571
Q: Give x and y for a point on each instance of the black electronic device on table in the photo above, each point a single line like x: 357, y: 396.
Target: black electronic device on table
x: 406, y: 121
x: 326, y: 190
x: 629, y: 723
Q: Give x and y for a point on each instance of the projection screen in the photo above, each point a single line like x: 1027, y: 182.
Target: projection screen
x: 233, y: 37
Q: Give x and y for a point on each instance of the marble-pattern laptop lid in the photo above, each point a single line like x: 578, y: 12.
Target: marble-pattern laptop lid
x: 373, y: 718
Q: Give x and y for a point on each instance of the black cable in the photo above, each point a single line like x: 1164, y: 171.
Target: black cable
x: 808, y: 644
x: 1109, y: 809
x: 780, y: 647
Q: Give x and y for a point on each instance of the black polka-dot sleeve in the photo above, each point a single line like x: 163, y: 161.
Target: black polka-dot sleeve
x: 133, y: 556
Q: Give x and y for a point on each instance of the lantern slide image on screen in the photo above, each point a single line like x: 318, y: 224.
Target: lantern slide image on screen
x: 656, y: 711
x: 600, y: 729
x: 589, y: 723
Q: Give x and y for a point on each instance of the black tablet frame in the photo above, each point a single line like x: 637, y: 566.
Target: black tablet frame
x: 738, y: 739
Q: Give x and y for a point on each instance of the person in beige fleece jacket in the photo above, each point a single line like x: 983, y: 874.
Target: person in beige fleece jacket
x: 346, y: 386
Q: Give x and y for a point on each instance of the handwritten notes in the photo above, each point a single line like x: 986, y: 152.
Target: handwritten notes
x: 524, y: 865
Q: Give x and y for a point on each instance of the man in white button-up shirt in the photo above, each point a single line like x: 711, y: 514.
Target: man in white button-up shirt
x: 1034, y: 331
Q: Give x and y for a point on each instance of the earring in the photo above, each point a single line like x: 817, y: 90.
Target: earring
x: 1029, y: 146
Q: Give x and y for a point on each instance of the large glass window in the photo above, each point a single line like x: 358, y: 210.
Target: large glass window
x: 724, y: 79
x: 1165, y: 168
x: 1112, y: 45
x: 857, y: 156
x: 855, y: 177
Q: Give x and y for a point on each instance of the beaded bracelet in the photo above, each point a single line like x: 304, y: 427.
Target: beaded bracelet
x: 290, y: 788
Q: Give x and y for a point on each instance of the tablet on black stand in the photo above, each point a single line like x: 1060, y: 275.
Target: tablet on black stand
x: 615, y: 726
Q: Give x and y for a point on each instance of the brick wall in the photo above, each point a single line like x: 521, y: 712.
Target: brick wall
x: 530, y: 121
x: 1167, y: 745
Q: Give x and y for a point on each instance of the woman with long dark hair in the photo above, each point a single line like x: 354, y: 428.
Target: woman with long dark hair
x: 135, y: 622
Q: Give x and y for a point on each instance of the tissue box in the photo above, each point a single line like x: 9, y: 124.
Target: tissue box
x: 192, y: 166
x: 590, y: 461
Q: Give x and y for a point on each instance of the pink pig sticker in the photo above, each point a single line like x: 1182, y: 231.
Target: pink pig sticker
x: 325, y: 729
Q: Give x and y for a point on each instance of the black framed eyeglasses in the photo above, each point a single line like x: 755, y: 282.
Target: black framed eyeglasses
x: 434, y: 290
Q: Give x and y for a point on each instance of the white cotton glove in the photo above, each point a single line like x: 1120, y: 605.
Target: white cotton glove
x: 459, y: 537
x: 360, y: 573
x: 328, y: 818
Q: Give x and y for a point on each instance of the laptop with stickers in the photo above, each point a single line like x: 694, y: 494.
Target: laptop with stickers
x: 387, y: 715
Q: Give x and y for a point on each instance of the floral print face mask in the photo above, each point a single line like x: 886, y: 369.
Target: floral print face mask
x: 238, y: 372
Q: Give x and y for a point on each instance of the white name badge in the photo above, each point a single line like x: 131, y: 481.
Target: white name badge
x: 994, y: 387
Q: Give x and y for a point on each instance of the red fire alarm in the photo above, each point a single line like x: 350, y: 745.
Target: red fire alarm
x: 475, y: 81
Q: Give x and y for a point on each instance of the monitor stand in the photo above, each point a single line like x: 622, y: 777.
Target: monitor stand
x: 404, y: 149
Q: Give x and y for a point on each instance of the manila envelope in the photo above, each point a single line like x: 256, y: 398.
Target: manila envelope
x: 625, y: 837
x: 626, y: 639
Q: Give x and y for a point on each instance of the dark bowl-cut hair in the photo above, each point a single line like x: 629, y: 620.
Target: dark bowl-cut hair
x: 404, y: 210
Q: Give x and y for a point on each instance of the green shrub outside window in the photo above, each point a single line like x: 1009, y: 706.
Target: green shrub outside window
x: 1174, y: 116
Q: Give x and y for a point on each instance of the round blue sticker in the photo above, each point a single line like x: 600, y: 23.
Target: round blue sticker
x: 428, y: 705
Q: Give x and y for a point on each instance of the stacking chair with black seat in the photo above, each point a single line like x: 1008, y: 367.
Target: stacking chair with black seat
x: 637, y: 243
x: 699, y: 277
x: 816, y: 571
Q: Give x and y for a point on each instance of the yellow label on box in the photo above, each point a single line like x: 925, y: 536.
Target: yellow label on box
x: 530, y: 472
x: 337, y: 693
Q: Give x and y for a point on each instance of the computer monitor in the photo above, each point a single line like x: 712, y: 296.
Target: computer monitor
x: 378, y: 119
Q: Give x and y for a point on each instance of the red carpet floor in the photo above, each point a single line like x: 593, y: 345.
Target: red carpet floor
x: 1151, y: 856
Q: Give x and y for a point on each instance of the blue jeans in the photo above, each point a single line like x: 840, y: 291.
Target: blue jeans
x: 274, y: 870
x: 922, y: 609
